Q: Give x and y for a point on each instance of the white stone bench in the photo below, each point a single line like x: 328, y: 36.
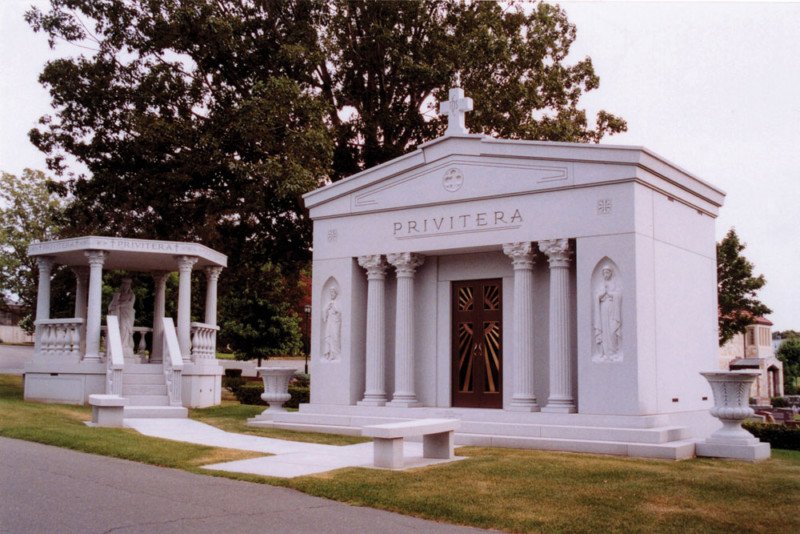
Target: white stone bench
x: 107, y: 410
x: 437, y: 440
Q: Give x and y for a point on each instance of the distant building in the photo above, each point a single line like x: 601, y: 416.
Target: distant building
x: 754, y: 351
x: 10, y: 332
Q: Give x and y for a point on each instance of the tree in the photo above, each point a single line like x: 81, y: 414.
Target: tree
x: 388, y: 63
x: 736, y: 289
x: 30, y: 210
x: 789, y: 354
x: 207, y: 119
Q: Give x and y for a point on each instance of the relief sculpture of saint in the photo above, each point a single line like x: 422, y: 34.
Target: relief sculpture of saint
x: 607, y: 318
x: 332, y: 339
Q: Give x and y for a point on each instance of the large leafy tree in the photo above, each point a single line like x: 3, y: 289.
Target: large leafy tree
x: 789, y: 354
x: 388, y: 63
x: 207, y: 119
x: 31, y: 207
x: 737, y: 289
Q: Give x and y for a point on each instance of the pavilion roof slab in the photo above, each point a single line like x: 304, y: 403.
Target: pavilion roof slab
x: 647, y: 167
x: 139, y: 255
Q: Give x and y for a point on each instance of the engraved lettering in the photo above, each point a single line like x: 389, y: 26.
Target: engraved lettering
x: 397, y: 227
x: 516, y: 217
x: 439, y: 223
x: 412, y: 225
x: 480, y: 219
x: 499, y: 216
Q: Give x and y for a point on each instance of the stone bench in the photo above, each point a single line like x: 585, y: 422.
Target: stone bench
x: 107, y: 410
x: 437, y: 440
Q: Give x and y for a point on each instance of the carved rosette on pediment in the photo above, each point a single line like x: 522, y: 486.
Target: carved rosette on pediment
x: 521, y: 254
x: 375, y: 266
x: 606, y: 313
x: 557, y: 252
x: 406, y: 263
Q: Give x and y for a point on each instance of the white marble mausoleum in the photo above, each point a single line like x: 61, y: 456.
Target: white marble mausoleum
x: 549, y: 295
x: 160, y: 369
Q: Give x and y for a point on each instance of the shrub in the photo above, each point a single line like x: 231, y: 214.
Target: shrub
x: 233, y: 373
x: 233, y: 383
x: 778, y: 402
x: 778, y: 436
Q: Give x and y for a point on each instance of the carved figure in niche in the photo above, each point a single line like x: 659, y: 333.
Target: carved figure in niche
x: 607, y: 320
x: 332, y: 318
x: 122, y: 306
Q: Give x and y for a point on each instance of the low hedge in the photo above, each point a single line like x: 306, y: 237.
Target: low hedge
x: 778, y: 436
x: 250, y: 393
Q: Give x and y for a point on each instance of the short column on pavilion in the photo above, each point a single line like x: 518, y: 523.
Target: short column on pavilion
x: 184, y: 327
x: 375, y: 391
x: 405, y: 394
x: 94, y: 312
x: 159, y: 307
x: 560, y: 399
x: 524, y: 398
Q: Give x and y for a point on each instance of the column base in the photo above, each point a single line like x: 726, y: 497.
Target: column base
x: 404, y: 403
x: 372, y: 400
x: 523, y: 406
x: 559, y: 407
x: 750, y: 453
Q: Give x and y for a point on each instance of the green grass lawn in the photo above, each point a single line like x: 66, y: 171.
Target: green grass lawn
x: 505, y: 489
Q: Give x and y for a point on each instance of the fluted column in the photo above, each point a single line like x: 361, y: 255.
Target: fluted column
x: 212, y: 277
x: 558, y: 255
x: 375, y: 394
x: 185, y: 265
x: 81, y: 283
x: 523, y: 398
x: 45, y: 264
x: 405, y: 393
x: 159, y: 306
x: 93, y: 313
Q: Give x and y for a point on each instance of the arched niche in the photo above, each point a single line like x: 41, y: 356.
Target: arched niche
x: 607, y: 293
x: 331, y: 318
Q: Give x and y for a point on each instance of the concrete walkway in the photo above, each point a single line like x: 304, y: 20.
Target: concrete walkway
x: 291, y: 458
x: 48, y: 489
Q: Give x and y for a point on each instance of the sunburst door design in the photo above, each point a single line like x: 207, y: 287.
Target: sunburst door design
x: 477, y: 344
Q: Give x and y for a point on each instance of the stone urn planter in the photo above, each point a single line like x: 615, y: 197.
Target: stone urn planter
x: 731, y: 391
x: 276, y: 386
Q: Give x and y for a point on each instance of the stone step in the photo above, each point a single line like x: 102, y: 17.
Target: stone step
x: 570, y: 432
x: 155, y: 412
x: 147, y: 400
x: 143, y: 389
x: 144, y: 368
x: 307, y: 427
x: 143, y: 379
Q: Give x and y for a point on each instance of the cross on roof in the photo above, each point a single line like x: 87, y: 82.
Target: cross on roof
x: 455, y: 109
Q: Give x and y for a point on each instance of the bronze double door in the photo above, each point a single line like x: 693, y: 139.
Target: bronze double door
x: 477, y: 312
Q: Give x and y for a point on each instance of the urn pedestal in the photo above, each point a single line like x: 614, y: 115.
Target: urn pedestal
x: 731, y: 391
x: 276, y: 392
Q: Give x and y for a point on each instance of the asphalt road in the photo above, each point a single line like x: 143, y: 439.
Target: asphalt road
x: 14, y: 357
x: 47, y: 489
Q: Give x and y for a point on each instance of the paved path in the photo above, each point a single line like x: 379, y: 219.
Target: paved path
x: 291, y: 458
x: 47, y: 489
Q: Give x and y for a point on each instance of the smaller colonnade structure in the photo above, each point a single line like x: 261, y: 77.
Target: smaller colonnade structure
x: 69, y: 362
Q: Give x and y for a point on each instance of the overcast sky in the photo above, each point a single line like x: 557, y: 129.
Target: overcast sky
x: 712, y: 87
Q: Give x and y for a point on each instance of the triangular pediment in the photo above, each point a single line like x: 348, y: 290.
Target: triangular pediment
x: 461, y: 178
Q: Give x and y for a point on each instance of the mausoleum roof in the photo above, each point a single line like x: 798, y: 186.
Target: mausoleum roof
x: 643, y: 166
x: 128, y: 254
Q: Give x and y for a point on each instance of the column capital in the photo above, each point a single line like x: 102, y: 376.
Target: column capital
x: 45, y: 263
x: 96, y: 257
x: 213, y: 272
x: 80, y: 271
x: 375, y: 266
x: 186, y: 263
x: 159, y: 276
x: 406, y: 263
x: 557, y: 251
x: 521, y: 254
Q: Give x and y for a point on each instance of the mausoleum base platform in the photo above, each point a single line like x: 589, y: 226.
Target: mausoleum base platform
x: 656, y: 436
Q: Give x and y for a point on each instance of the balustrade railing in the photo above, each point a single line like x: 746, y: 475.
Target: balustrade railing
x: 115, y: 359
x: 139, y: 340
x: 173, y: 362
x: 61, y: 338
x: 204, y: 341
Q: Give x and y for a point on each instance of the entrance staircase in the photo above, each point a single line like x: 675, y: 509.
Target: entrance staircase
x: 145, y: 387
x: 646, y: 437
